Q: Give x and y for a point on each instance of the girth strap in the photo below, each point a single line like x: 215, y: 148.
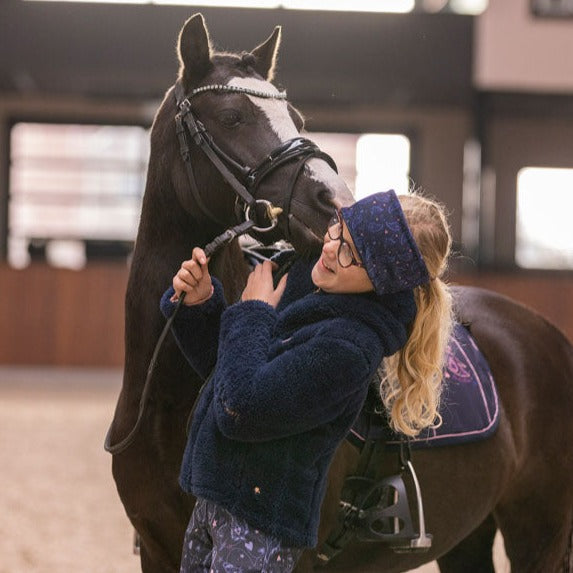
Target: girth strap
x: 374, y: 507
x: 367, y: 473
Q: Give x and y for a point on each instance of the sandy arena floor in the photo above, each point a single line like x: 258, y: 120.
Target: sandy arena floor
x: 60, y: 511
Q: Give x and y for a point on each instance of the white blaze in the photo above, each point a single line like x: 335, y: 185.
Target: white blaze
x: 282, y: 124
x: 276, y: 110
x: 318, y: 170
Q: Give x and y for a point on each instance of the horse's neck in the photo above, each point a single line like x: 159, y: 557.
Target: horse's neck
x: 151, y: 274
x: 230, y: 268
x: 161, y: 247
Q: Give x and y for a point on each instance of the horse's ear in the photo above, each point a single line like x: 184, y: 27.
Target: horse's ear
x: 266, y: 55
x: 194, y: 49
x: 296, y: 116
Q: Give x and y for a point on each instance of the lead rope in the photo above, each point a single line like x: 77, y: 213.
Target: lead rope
x: 210, y: 249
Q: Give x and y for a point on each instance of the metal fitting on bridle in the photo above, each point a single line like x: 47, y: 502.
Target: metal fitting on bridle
x: 243, y: 179
x: 272, y: 213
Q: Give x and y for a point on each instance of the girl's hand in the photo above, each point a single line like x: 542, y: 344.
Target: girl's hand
x: 260, y: 285
x: 193, y: 279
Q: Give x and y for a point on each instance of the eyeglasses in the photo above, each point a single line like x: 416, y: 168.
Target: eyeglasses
x: 345, y: 255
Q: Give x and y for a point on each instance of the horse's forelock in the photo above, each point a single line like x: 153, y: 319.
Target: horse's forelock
x: 226, y: 65
x: 223, y: 67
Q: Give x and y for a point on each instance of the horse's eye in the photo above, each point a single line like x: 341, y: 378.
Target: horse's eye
x: 230, y: 118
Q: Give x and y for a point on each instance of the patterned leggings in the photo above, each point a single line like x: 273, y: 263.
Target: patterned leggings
x: 218, y: 542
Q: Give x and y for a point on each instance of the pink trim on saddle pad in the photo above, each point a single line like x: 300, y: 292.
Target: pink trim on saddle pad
x: 469, y: 406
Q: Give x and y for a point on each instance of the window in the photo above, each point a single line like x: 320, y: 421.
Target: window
x: 74, y: 189
x: 544, y: 233
x: 382, y: 163
x: 369, y: 162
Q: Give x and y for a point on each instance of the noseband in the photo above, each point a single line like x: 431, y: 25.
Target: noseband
x: 243, y: 179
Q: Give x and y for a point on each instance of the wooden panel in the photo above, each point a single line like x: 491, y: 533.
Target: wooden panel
x: 61, y: 317
x: 69, y: 318
x: 550, y: 294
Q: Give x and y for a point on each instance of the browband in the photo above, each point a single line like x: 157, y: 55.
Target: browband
x: 236, y: 89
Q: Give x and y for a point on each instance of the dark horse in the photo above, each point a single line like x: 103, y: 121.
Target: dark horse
x: 519, y: 481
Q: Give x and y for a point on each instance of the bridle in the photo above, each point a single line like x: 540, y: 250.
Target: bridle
x: 243, y: 179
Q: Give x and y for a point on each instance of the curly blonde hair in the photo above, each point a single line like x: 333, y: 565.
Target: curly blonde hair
x: 412, y: 377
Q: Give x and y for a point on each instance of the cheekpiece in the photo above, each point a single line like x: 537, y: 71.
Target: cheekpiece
x: 385, y: 244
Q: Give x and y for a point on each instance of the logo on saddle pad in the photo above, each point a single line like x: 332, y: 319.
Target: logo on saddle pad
x: 469, y: 404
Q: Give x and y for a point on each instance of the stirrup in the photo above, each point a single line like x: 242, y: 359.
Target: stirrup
x: 404, y: 538
x: 382, y: 512
x: 389, y: 521
x: 378, y: 510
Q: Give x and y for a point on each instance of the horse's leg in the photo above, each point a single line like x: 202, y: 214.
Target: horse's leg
x: 155, y: 504
x: 460, y: 487
x: 146, y: 471
x: 474, y: 553
x: 537, y: 531
x: 535, y: 514
x: 533, y: 366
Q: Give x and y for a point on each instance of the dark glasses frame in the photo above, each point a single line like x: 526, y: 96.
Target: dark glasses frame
x: 334, y: 232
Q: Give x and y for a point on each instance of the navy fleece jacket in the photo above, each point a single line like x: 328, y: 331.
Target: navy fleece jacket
x: 287, y: 385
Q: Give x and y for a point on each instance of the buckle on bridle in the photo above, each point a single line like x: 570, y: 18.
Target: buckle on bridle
x: 271, y: 213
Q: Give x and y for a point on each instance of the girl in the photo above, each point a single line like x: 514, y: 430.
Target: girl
x: 291, y: 367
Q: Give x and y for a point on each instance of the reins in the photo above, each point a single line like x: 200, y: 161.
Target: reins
x: 243, y: 179
x: 210, y: 249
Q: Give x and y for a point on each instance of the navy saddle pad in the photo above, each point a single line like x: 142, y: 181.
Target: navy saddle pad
x: 469, y: 404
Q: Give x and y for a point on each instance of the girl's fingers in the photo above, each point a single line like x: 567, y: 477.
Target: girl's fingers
x: 185, y: 277
x: 199, y: 256
x: 196, y: 265
x: 180, y: 285
x: 266, y: 271
x: 193, y: 278
x: 281, y: 286
x: 193, y: 270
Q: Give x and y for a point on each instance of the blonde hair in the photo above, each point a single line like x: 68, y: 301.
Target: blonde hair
x: 412, y: 379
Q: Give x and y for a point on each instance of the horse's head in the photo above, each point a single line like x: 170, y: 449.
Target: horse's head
x: 242, y: 134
